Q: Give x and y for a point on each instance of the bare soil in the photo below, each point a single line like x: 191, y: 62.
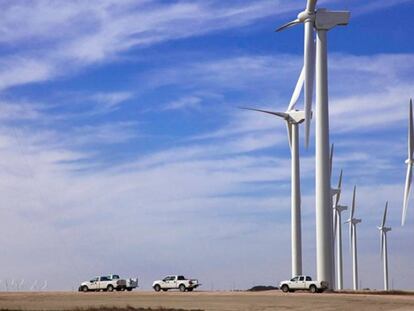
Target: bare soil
x: 223, y: 301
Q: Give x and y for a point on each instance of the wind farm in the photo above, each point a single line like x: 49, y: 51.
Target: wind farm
x: 217, y: 140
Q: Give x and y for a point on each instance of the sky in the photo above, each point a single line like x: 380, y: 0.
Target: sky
x: 122, y: 148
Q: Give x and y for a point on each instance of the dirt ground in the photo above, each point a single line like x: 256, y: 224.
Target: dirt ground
x: 228, y: 301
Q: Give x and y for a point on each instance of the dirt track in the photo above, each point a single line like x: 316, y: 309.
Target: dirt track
x: 273, y: 300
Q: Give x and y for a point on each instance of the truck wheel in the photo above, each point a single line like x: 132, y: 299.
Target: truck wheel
x: 85, y: 289
x: 165, y: 289
x: 157, y: 288
x: 313, y: 289
x: 129, y: 289
x: 190, y: 289
x: 181, y: 288
x: 110, y: 288
x: 285, y: 288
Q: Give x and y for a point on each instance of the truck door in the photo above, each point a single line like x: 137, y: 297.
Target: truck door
x: 301, y: 282
x: 169, y: 282
x: 94, y: 284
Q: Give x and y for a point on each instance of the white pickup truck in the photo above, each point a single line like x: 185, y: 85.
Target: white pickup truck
x: 108, y: 283
x: 303, y: 282
x: 175, y: 282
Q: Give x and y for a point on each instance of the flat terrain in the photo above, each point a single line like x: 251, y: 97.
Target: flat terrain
x: 271, y: 300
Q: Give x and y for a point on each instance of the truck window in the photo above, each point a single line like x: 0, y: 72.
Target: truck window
x: 308, y: 278
x: 115, y: 277
x: 295, y: 279
x: 180, y: 278
x: 301, y: 278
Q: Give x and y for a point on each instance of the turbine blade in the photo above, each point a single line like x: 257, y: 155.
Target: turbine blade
x: 338, y: 195
x: 335, y: 222
x: 289, y: 132
x: 279, y: 114
x: 407, y: 187
x: 382, y: 244
x: 353, y: 203
x: 297, y: 90
x: 351, y: 234
x: 384, y: 217
x: 330, y: 162
x: 410, y: 132
x: 288, y: 25
x: 309, y: 64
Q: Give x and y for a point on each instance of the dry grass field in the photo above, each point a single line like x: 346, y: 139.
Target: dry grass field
x: 223, y: 301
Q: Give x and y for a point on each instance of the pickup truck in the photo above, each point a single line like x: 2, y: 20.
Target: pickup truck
x: 131, y: 283
x: 175, y: 282
x: 303, y: 282
x: 108, y: 283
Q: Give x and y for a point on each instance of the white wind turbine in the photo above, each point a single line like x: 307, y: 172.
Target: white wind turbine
x: 384, y: 251
x: 322, y: 20
x: 293, y: 118
x: 44, y: 286
x: 353, y: 240
x: 338, y: 209
x: 409, y: 162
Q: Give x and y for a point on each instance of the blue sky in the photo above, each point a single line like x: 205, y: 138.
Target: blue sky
x: 123, y: 151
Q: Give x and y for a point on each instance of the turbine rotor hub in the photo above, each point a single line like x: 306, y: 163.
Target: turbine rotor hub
x: 305, y: 16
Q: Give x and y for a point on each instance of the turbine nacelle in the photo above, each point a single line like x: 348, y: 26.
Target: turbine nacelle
x: 340, y: 208
x: 409, y: 161
x: 353, y: 221
x: 296, y: 116
x: 384, y: 229
x: 325, y: 20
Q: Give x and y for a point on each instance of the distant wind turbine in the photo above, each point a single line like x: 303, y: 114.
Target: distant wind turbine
x: 293, y: 118
x: 44, y: 286
x: 384, y: 251
x: 338, y: 209
x: 409, y: 163
x: 34, y: 285
x: 353, y: 240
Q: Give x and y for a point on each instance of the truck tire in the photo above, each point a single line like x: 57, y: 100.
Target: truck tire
x: 313, y: 289
x: 85, y: 289
x: 110, y: 288
x: 129, y: 289
x: 157, y: 288
x: 285, y: 288
x: 165, y: 289
x: 182, y: 288
x: 190, y: 289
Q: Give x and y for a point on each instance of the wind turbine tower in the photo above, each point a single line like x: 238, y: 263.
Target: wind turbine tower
x: 353, y: 240
x: 384, y: 251
x: 322, y: 21
x: 293, y: 118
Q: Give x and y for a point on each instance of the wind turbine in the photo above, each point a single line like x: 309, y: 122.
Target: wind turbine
x: 409, y: 162
x: 293, y: 118
x: 353, y: 240
x: 44, y: 286
x: 338, y: 209
x: 322, y: 20
x: 34, y: 285
x: 384, y: 252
